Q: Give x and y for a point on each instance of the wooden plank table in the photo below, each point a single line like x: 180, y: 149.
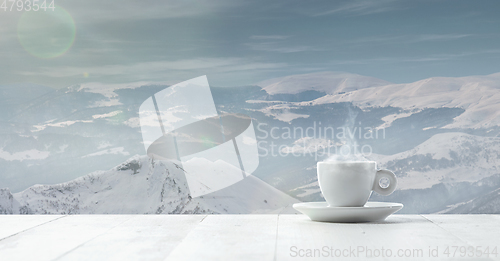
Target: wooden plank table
x: 247, y: 237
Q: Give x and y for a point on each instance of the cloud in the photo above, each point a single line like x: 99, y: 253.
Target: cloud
x: 406, y: 39
x: 440, y: 37
x: 269, y: 37
x: 430, y: 58
x: 361, y: 7
x: 145, y: 10
x: 276, y: 47
x: 279, y: 45
x: 143, y: 70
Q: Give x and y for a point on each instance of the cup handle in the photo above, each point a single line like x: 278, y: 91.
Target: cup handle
x: 383, y: 173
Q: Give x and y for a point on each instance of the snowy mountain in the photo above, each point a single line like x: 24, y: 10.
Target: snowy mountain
x: 52, y: 136
x: 445, y: 157
x: 435, y: 171
x: 440, y: 135
x: 479, y: 96
x: 326, y: 82
x: 143, y: 186
x: 488, y: 203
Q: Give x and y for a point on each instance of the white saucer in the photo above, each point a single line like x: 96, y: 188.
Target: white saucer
x: 371, y: 211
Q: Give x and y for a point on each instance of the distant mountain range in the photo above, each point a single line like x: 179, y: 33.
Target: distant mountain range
x: 440, y: 136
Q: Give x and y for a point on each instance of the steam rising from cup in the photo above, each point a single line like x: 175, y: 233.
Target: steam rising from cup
x: 349, y: 151
x: 348, y: 157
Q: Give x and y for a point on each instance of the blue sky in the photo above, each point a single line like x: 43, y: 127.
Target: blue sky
x: 238, y: 42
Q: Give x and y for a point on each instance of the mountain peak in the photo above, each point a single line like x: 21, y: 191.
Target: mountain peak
x: 142, y: 185
x: 326, y: 82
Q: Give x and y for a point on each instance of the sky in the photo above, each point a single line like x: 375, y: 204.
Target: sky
x: 237, y: 42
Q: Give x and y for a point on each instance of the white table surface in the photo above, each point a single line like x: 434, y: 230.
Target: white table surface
x: 246, y: 237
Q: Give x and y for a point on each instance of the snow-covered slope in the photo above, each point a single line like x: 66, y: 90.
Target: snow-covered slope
x: 489, y: 203
x: 445, y: 158
x: 143, y: 186
x: 64, y: 134
x: 52, y: 136
x: 478, y: 95
x: 326, y: 82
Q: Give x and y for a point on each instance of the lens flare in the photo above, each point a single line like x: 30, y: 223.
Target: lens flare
x: 118, y: 118
x: 46, y: 34
x: 208, y: 142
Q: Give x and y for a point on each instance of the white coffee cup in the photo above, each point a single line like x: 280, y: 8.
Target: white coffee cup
x: 350, y: 183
